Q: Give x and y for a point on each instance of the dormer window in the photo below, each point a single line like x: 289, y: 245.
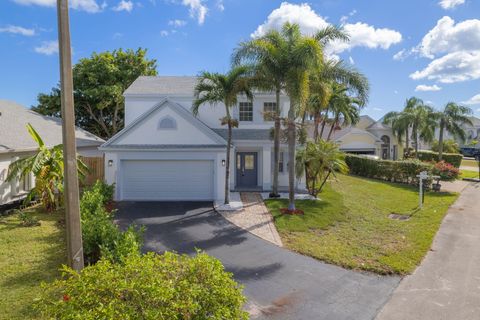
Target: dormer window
x: 167, y: 123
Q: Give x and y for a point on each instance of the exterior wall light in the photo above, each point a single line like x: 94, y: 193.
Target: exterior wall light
x: 223, y: 163
x: 110, y: 163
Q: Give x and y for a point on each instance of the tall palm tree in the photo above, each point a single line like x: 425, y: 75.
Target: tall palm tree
x: 451, y: 119
x: 400, y: 127
x: 214, y: 88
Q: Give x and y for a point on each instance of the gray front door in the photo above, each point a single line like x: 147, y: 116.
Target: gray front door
x: 246, y: 169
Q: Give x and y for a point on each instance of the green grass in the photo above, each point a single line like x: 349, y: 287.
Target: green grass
x: 469, y: 163
x: 350, y: 226
x: 28, y: 256
x: 468, y: 174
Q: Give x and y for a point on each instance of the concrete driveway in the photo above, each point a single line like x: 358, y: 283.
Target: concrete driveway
x: 279, y: 284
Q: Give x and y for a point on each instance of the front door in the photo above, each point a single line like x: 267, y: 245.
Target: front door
x: 246, y: 169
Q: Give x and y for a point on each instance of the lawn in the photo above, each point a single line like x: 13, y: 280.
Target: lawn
x: 469, y: 163
x: 28, y: 256
x: 468, y: 174
x: 350, y: 225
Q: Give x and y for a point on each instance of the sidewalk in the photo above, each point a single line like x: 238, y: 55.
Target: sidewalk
x: 447, y: 283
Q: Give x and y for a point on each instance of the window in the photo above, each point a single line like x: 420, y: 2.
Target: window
x: 280, y: 162
x: 167, y: 123
x: 246, y: 111
x: 269, y: 111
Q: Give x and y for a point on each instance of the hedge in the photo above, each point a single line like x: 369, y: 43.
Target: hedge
x: 454, y: 159
x: 394, y: 171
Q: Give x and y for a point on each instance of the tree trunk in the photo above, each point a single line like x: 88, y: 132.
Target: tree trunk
x: 323, y: 123
x: 227, y: 162
x: 440, y: 141
x: 317, y: 125
x: 331, y: 128
x: 415, y: 136
x: 407, y: 142
x: 276, y: 144
x: 291, y: 156
x: 324, y: 181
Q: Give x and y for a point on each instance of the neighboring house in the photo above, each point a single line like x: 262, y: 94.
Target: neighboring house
x: 367, y: 137
x: 16, y: 143
x: 472, y: 132
x: 165, y: 153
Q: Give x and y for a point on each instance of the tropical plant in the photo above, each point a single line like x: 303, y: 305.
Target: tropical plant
x: 214, y: 88
x: 400, y: 128
x: 452, y: 118
x: 449, y: 146
x: 323, y: 82
x: 46, y: 165
x: 345, y: 109
x: 445, y: 171
x: 318, y: 160
x: 417, y: 117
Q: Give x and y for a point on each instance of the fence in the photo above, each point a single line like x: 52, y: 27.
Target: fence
x: 96, y: 170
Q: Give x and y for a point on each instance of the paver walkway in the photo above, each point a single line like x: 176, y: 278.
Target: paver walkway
x: 255, y: 218
x: 447, y: 283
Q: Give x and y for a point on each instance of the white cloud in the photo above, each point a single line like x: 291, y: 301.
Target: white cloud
x: 177, y: 23
x: 18, y: 30
x: 124, y: 6
x: 473, y: 100
x: 164, y: 33
x: 377, y: 109
x: 361, y: 34
x: 450, y: 4
x: 424, y: 87
x: 197, y: 9
x: 48, y: 48
x: 403, y: 54
x: 351, y: 60
x: 448, y: 37
x: 85, y: 5
x: 220, y: 5
x: 453, y: 67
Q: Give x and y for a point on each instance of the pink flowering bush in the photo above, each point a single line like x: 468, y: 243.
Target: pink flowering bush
x: 446, y: 171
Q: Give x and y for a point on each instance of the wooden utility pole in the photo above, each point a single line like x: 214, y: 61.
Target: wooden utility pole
x: 72, y: 202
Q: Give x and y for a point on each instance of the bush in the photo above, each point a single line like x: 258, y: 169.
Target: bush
x: 152, y: 286
x: 27, y: 220
x: 445, y: 171
x: 395, y: 171
x: 449, y: 146
x: 454, y: 159
x: 101, y: 236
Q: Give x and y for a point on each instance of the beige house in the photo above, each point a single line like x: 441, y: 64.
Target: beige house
x: 367, y: 137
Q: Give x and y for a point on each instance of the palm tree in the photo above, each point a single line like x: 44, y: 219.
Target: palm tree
x: 214, y: 88
x: 451, y: 119
x: 322, y: 83
x: 344, y: 107
x: 47, y: 167
x: 400, y: 127
x: 317, y: 161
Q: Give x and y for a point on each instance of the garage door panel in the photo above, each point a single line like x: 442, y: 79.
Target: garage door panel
x: 167, y: 180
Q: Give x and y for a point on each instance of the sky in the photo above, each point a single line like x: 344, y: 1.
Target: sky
x: 424, y: 48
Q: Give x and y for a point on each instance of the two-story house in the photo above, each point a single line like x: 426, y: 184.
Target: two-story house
x: 166, y: 153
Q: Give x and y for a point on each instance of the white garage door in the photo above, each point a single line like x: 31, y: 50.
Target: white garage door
x: 165, y: 180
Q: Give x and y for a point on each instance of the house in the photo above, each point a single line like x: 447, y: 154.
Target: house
x: 368, y: 137
x: 472, y: 133
x: 16, y: 143
x: 166, y: 153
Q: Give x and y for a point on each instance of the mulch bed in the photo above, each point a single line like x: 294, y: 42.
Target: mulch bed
x: 291, y: 212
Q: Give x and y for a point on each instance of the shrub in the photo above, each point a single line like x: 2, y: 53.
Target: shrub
x: 152, y: 286
x: 454, y: 159
x: 27, y: 220
x: 405, y: 171
x: 101, y: 236
x: 449, y: 146
x: 445, y: 171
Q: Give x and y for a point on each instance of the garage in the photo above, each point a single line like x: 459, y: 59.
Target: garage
x: 167, y: 180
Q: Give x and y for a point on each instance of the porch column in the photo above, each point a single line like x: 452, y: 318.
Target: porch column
x: 267, y: 167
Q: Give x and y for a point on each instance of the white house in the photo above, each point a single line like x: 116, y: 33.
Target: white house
x: 165, y: 153
x: 16, y: 143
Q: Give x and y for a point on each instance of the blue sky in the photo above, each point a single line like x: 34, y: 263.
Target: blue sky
x: 426, y: 48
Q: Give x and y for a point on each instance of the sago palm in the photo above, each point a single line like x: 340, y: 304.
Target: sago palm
x: 215, y: 88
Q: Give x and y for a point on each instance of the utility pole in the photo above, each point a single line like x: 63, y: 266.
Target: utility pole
x: 72, y: 202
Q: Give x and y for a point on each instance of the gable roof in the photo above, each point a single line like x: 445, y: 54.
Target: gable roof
x: 378, y: 125
x: 245, y: 134
x: 162, y: 85
x: 180, y: 110
x: 14, y: 135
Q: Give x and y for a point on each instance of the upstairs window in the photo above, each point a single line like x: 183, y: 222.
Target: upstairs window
x: 280, y: 162
x: 246, y: 111
x: 167, y: 123
x: 269, y: 111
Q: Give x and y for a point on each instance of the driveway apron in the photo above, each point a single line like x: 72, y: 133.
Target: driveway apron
x: 279, y: 284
